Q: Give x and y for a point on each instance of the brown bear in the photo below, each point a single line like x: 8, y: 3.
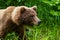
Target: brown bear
x: 13, y: 19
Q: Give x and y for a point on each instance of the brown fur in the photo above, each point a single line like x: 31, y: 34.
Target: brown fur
x: 14, y: 18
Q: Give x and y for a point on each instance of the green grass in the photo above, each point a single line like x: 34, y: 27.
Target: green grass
x: 50, y: 26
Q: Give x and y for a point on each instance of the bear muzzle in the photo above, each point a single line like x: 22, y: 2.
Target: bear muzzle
x: 39, y: 22
x: 36, y: 21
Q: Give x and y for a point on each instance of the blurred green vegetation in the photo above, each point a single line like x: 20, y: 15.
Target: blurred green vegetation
x: 48, y: 11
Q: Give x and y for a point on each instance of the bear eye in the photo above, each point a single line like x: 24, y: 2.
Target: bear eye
x: 32, y: 16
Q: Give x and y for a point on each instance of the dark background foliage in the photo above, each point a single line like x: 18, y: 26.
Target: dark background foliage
x: 48, y: 11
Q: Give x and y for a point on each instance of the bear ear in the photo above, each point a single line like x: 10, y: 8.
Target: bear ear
x: 34, y: 8
x: 22, y: 9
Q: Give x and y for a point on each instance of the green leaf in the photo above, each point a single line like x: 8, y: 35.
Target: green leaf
x: 55, y: 13
x: 19, y: 0
x: 58, y: 7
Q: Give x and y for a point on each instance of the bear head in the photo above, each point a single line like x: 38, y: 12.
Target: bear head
x: 25, y: 15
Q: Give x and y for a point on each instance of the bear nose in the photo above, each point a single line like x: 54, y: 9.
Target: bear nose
x: 39, y: 22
